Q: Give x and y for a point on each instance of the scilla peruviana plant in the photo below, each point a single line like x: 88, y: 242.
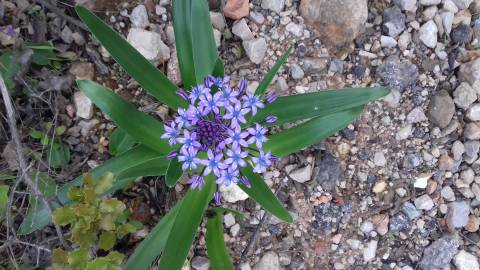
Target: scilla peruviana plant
x: 215, y: 139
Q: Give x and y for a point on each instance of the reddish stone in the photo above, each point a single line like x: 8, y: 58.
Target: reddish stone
x: 236, y: 9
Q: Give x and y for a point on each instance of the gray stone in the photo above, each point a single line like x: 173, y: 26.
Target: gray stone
x: 438, y: 255
x: 330, y: 172
x: 274, y: 5
x: 430, y: 2
x: 282, y: 85
x: 407, y: 5
x: 297, y: 72
x: 410, y: 210
x: 441, y: 109
x: 379, y: 159
x: 388, y: 42
x: 269, y: 261
x: 424, y: 202
x: 400, y: 222
x: 232, y: 193
x: 428, y: 34
x: 314, y: 66
x: 396, y: 74
x: 458, y: 148
x: 448, y: 194
x: 472, y: 131
x: 218, y: 21
x: 404, y: 133
x: 463, y: 4
x: 466, y: 261
x: 338, y: 22
x: 241, y: 29
x: 149, y: 44
x: 447, y: 21
x: 257, y: 17
x: 470, y: 72
x: 303, y: 174
x: 294, y: 29
x: 255, y: 49
x: 139, y: 17
x: 416, y: 115
x: 217, y: 36
x: 83, y: 105
x: 473, y: 112
x: 82, y: 71
x: 229, y: 220
x: 472, y: 148
x: 411, y: 161
x: 200, y: 263
x: 458, y: 213
x: 393, y: 21
x: 462, y: 34
x: 370, y: 251
x: 464, y: 95
x: 66, y: 35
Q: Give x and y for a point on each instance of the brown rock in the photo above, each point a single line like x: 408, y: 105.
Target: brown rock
x: 381, y: 222
x: 338, y: 22
x: 236, y: 9
x: 473, y: 224
x: 445, y: 163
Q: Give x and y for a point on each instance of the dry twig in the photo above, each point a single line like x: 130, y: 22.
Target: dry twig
x: 32, y: 185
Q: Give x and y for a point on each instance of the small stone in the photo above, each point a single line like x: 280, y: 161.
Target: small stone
x: 370, y: 251
x: 448, y: 194
x: 294, y: 29
x: 218, y: 21
x: 83, y: 71
x: 441, y: 109
x: 472, y: 148
x: 274, y: 5
x: 229, y: 220
x: 367, y: 227
x: 139, y: 17
x: 472, y: 131
x: 257, y: 17
x: 410, y: 211
x: 83, y: 105
x: 462, y: 34
x: 416, y: 116
x: 66, y: 35
x: 217, y: 36
x: 422, y: 180
x: 470, y: 72
x: 330, y: 172
x: 473, y: 113
x: 236, y: 9
x: 428, y: 34
x: 235, y: 230
x: 379, y: 159
x: 458, y: 148
x: 302, y: 175
x: 464, y: 95
x: 404, y: 133
x: 404, y: 40
x: 149, y: 44
x: 447, y: 21
x: 407, y: 5
x: 388, y: 42
x: 314, y: 66
x: 424, y: 202
x: 269, y: 261
x: 396, y: 74
x: 241, y: 29
x: 255, y: 49
x: 200, y: 263
x: 466, y: 261
x: 78, y: 39
x: 381, y: 223
x: 430, y: 2
x: 472, y: 224
x: 445, y: 163
x: 379, y: 187
x: 439, y: 254
x: 393, y: 21
x: 400, y: 222
x: 458, y: 212
x: 297, y: 72
x: 232, y: 193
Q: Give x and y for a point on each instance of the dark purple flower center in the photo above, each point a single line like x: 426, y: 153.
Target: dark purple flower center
x: 210, y: 132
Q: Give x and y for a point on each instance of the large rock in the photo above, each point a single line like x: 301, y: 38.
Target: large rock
x: 338, y: 22
x: 149, y: 44
x: 393, y: 21
x: 236, y: 9
x: 438, y: 255
x: 398, y: 74
x: 441, y: 109
x: 255, y: 49
x: 232, y: 193
x: 466, y: 261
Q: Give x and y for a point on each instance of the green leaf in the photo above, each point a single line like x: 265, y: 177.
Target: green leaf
x: 3, y: 200
x: 153, y: 245
x: 36, y: 134
x: 63, y: 216
x: 9, y: 68
x: 107, y: 240
x: 313, y: 131
x: 154, y: 81
x: 134, y: 159
x: 58, y: 156
x: 216, y: 249
x: 120, y: 142
x: 261, y: 193
x: 78, y: 258
x: 298, y: 107
x: 174, y: 172
x: 271, y: 74
x: 104, y: 183
x: 186, y: 225
x: 205, y: 53
x: 219, y: 69
x: 125, y: 229
x: 181, y: 12
x: 137, y: 124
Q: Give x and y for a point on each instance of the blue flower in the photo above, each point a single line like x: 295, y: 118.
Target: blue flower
x: 236, y: 137
x: 211, y: 103
x: 262, y: 162
x: 213, y: 163
x: 197, y: 92
x: 189, y: 159
x: 183, y: 118
x: 196, y: 181
x: 236, y: 114
x: 171, y: 133
x: 253, y: 102
x: 236, y: 158
x: 189, y: 140
x: 228, y: 176
x: 258, y: 135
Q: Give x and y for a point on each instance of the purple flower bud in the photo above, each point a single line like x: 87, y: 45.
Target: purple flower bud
x: 172, y: 155
x: 242, y: 86
x: 217, y: 198
x: 271, y: 119
x: 271, y: 97
x: 245, y: 181
x: 273, y: 158
x: 182, y: 94
x: 209, y: 81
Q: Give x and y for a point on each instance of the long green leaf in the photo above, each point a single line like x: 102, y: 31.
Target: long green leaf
x: 181, y: 11
x: 174, y: 172
x: 205, y: 53
x: 299, y: 107
x: 153, y: 245
x: 120, y: 142
x: 219, y: 69
x: 120, y: 166
x: 139, y: 125
x: 313, y: 131
x: 217, y: 251
x: 147, y: 75
x: 186, y: 226
x: 261, y: 193
x: 263, y: 86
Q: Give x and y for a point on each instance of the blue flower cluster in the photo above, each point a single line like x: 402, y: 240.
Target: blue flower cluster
x: 215, y: 123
